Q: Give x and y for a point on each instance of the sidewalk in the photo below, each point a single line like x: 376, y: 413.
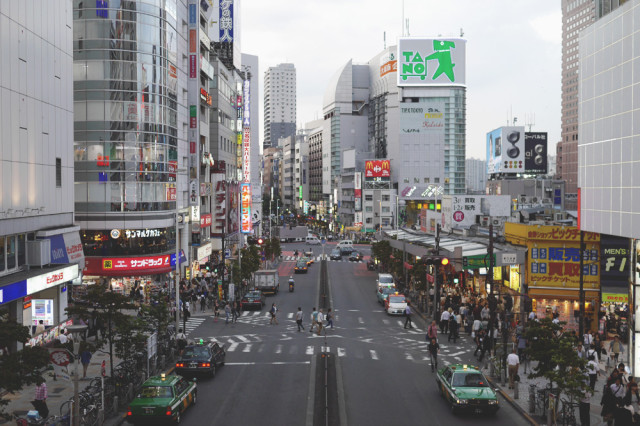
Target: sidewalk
x: 59, y: 390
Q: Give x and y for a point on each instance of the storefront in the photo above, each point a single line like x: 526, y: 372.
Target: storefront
x: 40, y: 295
x: 553, y: 271
x: 124, y: 274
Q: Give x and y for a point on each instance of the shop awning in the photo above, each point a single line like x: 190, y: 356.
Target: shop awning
x: 562, y: 293
x: 407, y: 265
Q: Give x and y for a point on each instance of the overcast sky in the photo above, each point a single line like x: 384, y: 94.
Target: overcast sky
x: 513, y: 51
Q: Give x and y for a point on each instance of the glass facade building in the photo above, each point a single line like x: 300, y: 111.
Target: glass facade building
x: 126, y: 108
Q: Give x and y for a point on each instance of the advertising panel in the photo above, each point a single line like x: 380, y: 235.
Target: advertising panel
x: 431, y: 62
x: 377, y: 170
x: 245, y: 189
x: 388, y: 64
x: 51, y: 279
x: 233, y: 207
x: 246, y: 93
x: 615, y: 264
x: 464, y: 210
x: 357, y: 191
x: 219, y: 204
x: 535, y: 153
x: 506, y: 150
x: 205, y: 220
x: 226, y: 21
x: 42, y: 309
x: 422, y: 117
x: 246, y: 154
x: 67, y: 248
x: 121, y: 266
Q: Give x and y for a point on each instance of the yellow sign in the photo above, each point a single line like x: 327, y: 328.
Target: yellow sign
x: 534, y: 305
x: 518, y: 232
x: 615, y: 298
x: 497, y: 274
x: 514, y: 277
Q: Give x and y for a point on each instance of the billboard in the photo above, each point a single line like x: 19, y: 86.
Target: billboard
x: 245, y: 195
x: 422, y: 117
x: 615, y: 264
x: 388, y: 64
x: 506, y: 150
x: 535, y: 153
x: 379, y: 170
x: 357, y: 191
x: 431, y: 62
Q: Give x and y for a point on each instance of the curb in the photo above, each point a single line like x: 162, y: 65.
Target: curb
x: 513, y: 403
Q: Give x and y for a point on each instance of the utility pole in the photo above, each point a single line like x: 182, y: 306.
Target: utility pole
x: 581, y: 294
x: 491, y: 298
x: 436, y: 298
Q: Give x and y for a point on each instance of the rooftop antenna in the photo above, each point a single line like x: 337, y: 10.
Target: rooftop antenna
x: 461, y: 33
x: 402, y: 23
x: 530, y: 120
x: 408, y: 33
x: 384, y: 38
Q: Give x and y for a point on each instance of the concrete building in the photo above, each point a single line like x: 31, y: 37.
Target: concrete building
x: 288, y: 146
x: 272, y: 164
x: 280, y: 108
x: 576, y: 16
x: 315, y: 166
x: 476, y: 175
x: 131, y: 130
x: 301, y: 172
x: 608, y: 147
x: 40, y: 249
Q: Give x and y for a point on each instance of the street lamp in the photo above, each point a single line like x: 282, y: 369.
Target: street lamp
x: 177, y: 273
x: 76, y: 331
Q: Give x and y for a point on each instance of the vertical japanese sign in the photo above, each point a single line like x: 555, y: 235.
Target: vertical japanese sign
x: 219, y: 204
x: 193, y: 85
x: 246, y: 132
x: 226, y: 21
x: 245, y: 194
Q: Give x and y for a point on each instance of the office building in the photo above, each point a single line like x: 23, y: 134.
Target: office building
x: 476, y: 175
x: 279, y: 103
x: 40, y: 249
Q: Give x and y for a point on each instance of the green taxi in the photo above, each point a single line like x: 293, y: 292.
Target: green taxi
x: 162, y: 399
x: 465, y: 388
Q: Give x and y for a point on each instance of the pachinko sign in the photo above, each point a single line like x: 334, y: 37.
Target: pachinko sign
x: 245, y: 212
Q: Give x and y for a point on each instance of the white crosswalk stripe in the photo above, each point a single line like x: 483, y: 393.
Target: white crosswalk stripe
x: 192, y: 324
x: 319, y: 258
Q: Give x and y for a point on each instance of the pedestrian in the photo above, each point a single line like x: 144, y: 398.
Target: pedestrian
x: 314, y: 319
x: 592, y: 370
x: 85, y: 358
x: 320, y: 320
x: 615, y: 349
x: 618, y: 389
x: 407, y: 313
x: 581, y: 352
x: 216, y: 310
x: 433, y: 348
x: 453, y: 329
x: 40, y: 400
x: 299, y: 319
x: 591, y: 352
x: 585, y: 409
x: 444, y: 321
x: 203, y: 303
x: 330, y: 318
x: 587, y: 340
x: 273, y: 312
x: 513, y: 362
x: 234, y: 312
x: 227, y: 312
x: 39, y: 328
x: 479, y: 339
x: 486, y: 345
x: 432, y: 331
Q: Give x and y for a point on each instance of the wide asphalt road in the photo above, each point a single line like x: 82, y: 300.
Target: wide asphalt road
x: 384, y: 379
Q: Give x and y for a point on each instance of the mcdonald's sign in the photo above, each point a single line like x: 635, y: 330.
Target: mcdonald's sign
x: 374, y: 169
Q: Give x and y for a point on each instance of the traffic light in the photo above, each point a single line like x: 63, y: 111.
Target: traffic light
x: 436, y: 260
x: 260, y: 241
x: 207, y: 266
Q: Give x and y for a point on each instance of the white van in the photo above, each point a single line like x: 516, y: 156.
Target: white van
x: 385, y: 280
x: 345, y: 246
x: 312, y: 240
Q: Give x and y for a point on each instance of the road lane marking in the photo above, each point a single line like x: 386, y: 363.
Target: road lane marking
x: 341, y: 352
x: 270, y: 363
x: 360, y: 320
x: 278, y: 349
x: 232, y: 346
x: 310, y: 350
x: 241, y: 337
x: 289, y: 316
x: 247, y: 348
x: 408, y: 356
x: 373, y: 353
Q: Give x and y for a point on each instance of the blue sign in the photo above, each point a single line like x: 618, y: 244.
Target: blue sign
x: 58, y: 249
x: 227, y: 253
x: 12, y: 292
x: 226, y: 21
x: 183, y: 258
x: 192, y: 14
x: 102, y: 9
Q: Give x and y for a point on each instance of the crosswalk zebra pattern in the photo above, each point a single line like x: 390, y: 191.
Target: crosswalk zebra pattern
x: 192, y: 324
x: 253, y: 343
x: 319, y: 258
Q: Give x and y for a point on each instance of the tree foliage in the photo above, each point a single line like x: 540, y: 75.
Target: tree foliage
x: 382, y: 251
x: 20, y: 368
x: 558, y: 361
x: 249, y: 263
x: 272, y: 248
x: 419, y: 274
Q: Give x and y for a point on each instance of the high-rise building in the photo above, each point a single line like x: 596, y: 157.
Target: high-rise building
x: 131, y: 124
x: 476, y: 175
x: 576, y: 15
x: 280, y: 109
x: 608, y: 147
x: 40, y: 248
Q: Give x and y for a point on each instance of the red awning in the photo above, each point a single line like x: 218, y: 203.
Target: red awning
x: 430, y: 278
x: 391, y: 256
x: 408, y: 266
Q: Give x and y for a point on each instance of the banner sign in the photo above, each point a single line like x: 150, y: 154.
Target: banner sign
x: 377, y: 169
x: 431, y: 62
x: 245, y: 189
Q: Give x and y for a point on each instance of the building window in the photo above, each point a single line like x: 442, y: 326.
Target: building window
x: 368, y: 209
x: 368, y: 197
x: 58, y: 172
x: 385, y: 198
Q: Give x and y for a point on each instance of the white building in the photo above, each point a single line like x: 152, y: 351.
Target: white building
x: 280, y: 109
x: 40, y: 248
x: 476, y: 175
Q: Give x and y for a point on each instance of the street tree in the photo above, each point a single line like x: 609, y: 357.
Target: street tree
x: 104, y: 307
x: 249, y: 263
x: 382, y: 251
x: 419, y: 274
x: 18, y: 368
x: 272, y: 248
x: 556, y: 356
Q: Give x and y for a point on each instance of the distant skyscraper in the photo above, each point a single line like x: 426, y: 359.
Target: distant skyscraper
x: 476, y: 174
x: 279, y: 103
x: 576, y: 15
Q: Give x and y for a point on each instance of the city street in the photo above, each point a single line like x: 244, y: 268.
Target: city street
x: 385, y: 374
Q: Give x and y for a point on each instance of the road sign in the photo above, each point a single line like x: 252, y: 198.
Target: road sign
x: 227, y: 253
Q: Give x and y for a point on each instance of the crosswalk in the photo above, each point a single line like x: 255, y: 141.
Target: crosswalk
x: 319, y: 258
x: 310, y: 344
x: 192, y: 324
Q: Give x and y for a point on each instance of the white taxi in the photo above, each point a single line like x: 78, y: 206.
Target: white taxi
x: 395, y: 304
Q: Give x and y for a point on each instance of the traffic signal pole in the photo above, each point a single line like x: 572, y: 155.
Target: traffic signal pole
x: 436, y: 297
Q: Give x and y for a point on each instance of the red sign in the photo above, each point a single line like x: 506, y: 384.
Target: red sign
x: 458, y: 216
x: 103, y: 160
x: 377, y: 168
x: 205, y: 220
x: 171, y: 194
x: 123, y: 266
x: 60, y: 357
x: 192, y: 66
x: 391, y: 66
x: 193, y: 41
